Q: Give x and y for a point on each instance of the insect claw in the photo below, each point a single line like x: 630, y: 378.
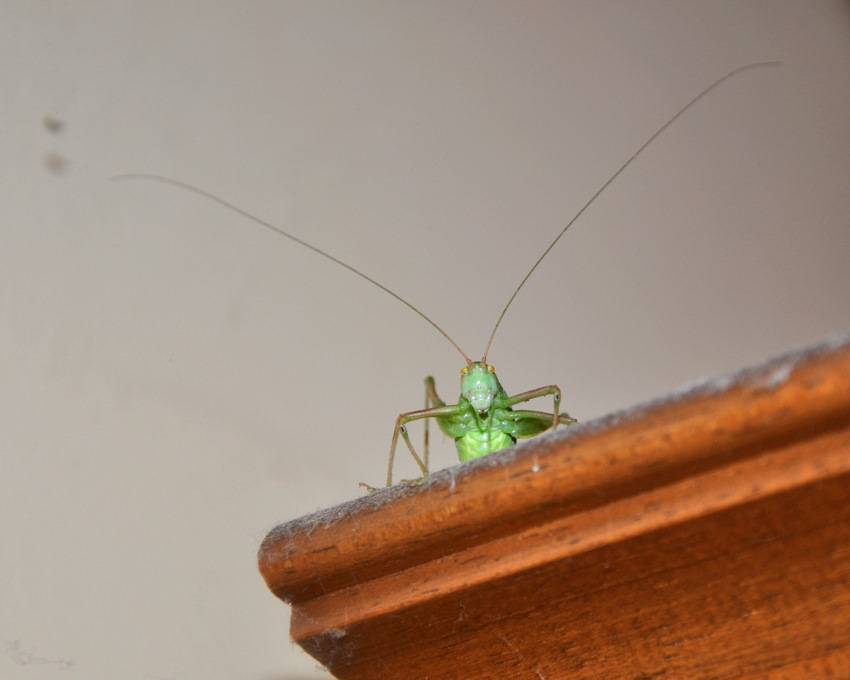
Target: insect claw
x: 370, y: 489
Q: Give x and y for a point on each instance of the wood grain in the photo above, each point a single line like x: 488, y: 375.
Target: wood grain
x: 703, y: 535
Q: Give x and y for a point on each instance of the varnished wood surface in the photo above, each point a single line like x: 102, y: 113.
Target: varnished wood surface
x: 704, y: 535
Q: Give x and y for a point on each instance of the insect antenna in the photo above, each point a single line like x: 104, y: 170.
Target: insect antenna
x: 612, y: 178
x: 278, y: 230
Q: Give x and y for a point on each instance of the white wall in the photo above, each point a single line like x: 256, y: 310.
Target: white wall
x: 174, y: 380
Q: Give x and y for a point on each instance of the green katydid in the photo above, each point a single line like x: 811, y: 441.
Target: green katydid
x: 484, y: 420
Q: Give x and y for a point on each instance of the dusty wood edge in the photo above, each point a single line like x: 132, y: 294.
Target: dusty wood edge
x: 746, y: 481
x: 605, y: 466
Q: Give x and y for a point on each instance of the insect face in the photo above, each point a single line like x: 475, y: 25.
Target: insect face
x: 479, y: 385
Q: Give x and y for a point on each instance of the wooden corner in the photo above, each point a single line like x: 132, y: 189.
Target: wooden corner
x: 706, y: 534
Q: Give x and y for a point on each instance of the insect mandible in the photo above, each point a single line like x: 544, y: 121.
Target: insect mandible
x: 483, y: 420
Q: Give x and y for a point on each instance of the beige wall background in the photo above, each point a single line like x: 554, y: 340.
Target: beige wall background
x: 175, y: 381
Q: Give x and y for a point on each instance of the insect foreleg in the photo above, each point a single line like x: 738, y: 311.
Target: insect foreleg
x: 531, y: 423
x: 554, y: 390
x: 400, y: 429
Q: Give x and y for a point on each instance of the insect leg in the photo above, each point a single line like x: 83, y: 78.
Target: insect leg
x: 554, y: 390
x: 436, y: 412
x: 431, y: 400
x: 531, y: 423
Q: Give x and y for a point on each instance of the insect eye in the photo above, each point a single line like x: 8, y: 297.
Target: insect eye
x: 490, y: 368
x: 464, y: 371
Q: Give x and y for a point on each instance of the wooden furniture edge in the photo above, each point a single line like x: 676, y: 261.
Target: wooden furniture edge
x: 721, y: 442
